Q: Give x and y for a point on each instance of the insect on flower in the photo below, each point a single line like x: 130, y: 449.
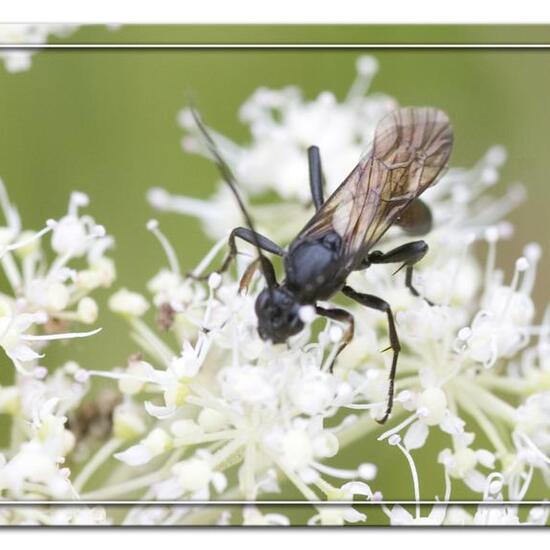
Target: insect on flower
x: 410, y: 150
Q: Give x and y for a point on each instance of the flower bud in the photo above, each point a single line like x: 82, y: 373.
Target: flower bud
x: 87, y: 310
x: 69, y: 237
x: 211, y: 420
x: 297, y: 449
x: 127, y: 423
x: 57, y: 297
x: 433, y: 403
x: 193, y: 474
x: 133, y: 383
x: 128, y: 303
x: 186, y: 429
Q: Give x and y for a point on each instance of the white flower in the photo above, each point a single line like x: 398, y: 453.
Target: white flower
x: 16, y: 339
x: 313, y: 391
x: 533, y: 420
x: 79, y: 515
x: 12, y: 336
x: 400, y: 516
x: 277, y: 402
x: 336, y: 515
x: 253, y: 516
x: 128, y: 423
x: 462, y: 464
x: 129, y: 303
x: 192, y: 477
x: 340, y: 514
x: 32, y: 465
x: 156, y: 443
x: 248, y: 384
x: 87, y: 310
x: 44, y: 295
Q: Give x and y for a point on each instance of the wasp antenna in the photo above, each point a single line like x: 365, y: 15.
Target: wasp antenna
x: 227, y: 175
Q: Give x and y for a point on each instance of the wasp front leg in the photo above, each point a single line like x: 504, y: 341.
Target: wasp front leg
x: 246, y: 235
x: 373, y: 302
x: 408, y: 254
x: 339, y: 315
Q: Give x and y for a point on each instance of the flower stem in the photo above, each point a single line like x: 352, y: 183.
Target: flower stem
x: 104, y: 453
x: 128, y: 487
x: 487, y: 426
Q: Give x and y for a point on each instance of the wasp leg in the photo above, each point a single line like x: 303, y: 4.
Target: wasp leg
x: 416, y: 219
x: 315, y: 176
x: 339, y: 315
x: 409, y: 253
x: 373, y: 302
x: 246, y: 235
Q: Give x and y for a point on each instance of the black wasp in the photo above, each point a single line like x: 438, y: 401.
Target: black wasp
x: 411, y: 148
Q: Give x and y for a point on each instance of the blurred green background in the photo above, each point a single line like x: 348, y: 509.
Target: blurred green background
x: 104, y: 122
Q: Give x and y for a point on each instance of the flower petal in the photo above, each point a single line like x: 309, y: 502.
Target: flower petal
x: 135, y: 456
x: 416, y: 435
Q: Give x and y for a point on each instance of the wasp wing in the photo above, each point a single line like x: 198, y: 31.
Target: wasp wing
x: 411, y: 148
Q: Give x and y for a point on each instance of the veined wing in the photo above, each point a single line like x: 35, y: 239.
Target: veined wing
x: 411, y: 148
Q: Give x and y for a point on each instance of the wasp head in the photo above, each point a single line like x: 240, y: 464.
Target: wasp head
x: 278, y: 314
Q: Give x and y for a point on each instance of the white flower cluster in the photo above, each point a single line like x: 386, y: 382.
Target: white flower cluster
x: 45, y: 297
x: 464, y: 355
x: 35, y: 466
x: 225, y: 398
x: 208, y: 411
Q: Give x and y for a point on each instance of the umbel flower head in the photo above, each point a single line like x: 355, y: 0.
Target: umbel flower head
x: 458, y: 354
x: 206, y: 410
x: 50, y: 275
x: 49, y: 297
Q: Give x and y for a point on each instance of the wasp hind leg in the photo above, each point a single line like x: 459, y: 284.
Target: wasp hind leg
x: 246, y: 235
x: 373, y: 302
x: 315, y: 176
x: 408, y: 254
x: 339, y: 315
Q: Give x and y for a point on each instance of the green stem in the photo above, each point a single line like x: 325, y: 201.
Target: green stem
x: 514, y: 386
x: 485, y: 424
x: 104, y: 453
x: 490, y: 402
x: 108, y: 493
x: 126, y: 487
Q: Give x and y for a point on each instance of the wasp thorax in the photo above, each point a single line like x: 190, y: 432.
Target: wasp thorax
x: 278, y: 312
